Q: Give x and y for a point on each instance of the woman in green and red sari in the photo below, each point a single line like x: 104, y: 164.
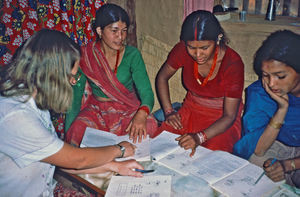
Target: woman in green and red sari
x: 115, y: 77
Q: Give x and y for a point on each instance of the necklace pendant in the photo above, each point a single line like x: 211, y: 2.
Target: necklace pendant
x: 198, y: 80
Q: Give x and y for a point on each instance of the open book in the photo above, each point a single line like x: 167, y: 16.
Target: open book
x: 225, y: 172
x: 231, y: 175
x: 124, y: 186
x: 97, y: 138
x: 180, y: 160
x: 163, y: 144
x: 165, y: 150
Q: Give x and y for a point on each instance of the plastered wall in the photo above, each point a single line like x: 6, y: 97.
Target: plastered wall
x: 158, y: 29
x: 158, y: 25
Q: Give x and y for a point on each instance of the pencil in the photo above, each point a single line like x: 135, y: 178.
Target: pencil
x: 262, y: 174
x: 143, y: 171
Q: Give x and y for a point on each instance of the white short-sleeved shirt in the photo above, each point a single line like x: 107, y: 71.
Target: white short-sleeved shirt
x: 26, y: 137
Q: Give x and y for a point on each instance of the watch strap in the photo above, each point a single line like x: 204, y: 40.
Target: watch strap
x: 122, y: 148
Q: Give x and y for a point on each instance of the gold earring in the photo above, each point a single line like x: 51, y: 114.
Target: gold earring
x: 219, y: 39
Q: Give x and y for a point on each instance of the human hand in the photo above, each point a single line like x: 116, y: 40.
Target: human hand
x: 126, y: 168
x: 129, y: 148
x: 276, y: 171
x: 137, y: 128
x: 187, y: 141
x: 174, y: 120
x: 283, y: 101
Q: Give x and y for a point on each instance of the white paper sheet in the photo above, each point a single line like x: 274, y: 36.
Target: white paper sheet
x: 163, y: 144
x: 97, y: 138
x: 147, y: 186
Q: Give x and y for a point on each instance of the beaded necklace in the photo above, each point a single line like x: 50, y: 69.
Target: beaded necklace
x: 211, y: 71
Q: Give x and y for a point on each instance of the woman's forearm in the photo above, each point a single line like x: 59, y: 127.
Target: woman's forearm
x: 162, y: 86
x: 108, y: 167
x: 164, y: 94
x: 83, y: 158
x: 230, y: 112
x: 270, y: 133
x: 291, y: 164
x: 219, y: 126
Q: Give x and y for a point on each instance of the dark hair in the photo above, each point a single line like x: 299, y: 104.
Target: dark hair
x: 110, y: 13
x: 202, y: 25
x: 283, y: 46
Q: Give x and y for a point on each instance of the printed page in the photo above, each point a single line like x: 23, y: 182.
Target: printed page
x: 216, y: 165
x: 142, y: 151
x: 97, y: 138
x: 124, y: 186
x: 180, y: 159
x: 163, y: 144
x: 285, y: 193
x: 242, y: 183
x: 182, y: 186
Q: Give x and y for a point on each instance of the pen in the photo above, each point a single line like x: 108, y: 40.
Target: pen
x: 262, y: 174
x: 143, y: 171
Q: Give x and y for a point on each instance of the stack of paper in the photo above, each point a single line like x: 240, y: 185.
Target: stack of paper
x: 97, y: 138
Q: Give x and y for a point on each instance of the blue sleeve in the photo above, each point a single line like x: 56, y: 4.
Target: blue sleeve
x: 259, y: 109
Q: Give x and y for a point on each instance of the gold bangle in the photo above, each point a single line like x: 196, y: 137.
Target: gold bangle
x: 274, y: 124
x: 293, y: 165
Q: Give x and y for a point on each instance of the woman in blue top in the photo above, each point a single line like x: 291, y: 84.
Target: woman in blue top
x: 271, y: 119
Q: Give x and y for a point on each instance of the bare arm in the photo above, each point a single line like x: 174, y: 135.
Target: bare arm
x: 231, y: 107
x: 162, y: 85
x: 270, y: 133
x: 84, y: 158
x: 163, y: 93
x: 123, y: 168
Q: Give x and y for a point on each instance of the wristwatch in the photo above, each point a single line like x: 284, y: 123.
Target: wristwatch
x: 122, y: 148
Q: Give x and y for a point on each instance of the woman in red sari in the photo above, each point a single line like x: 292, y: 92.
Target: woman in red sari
x: 121, y: 94
x: 213, y: 75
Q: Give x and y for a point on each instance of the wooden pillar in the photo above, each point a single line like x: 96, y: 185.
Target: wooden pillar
x: 131, y: 37
x: 286, y: 7
x: 299, y: 8
x: 245, y: 5
x: 258, y: 4
x: 232, y: 3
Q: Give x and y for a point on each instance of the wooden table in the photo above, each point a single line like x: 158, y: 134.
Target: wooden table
x: 77, y: 182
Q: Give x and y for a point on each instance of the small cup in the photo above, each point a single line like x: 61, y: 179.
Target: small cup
x: 243, y: 15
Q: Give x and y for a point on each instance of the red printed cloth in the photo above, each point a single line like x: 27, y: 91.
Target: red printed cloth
x: 112, y: 116
x: 19, y: 19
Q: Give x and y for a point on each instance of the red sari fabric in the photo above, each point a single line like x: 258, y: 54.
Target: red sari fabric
x: 112, y: 116
x: 229, y: 81
x: 199, y: 113
x: 203, y: 105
